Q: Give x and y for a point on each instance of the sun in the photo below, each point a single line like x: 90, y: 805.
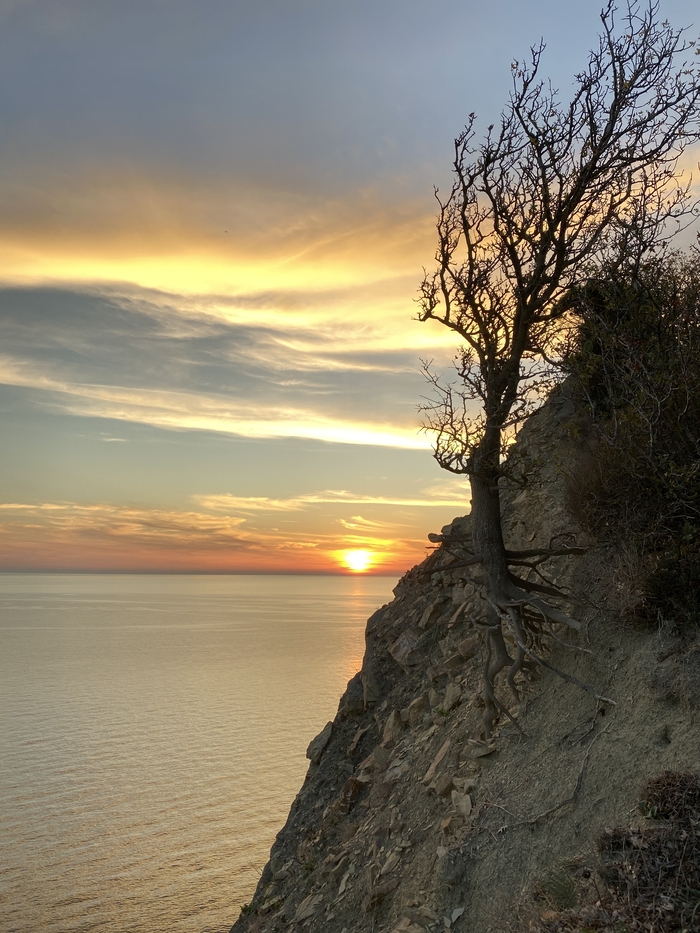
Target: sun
x: 357, y: 561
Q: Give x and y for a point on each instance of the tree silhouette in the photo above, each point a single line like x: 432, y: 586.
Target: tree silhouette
x: 552, y: 195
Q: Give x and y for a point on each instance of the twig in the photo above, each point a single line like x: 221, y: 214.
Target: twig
x: 574, y: 795
x: 579, y: 781
x: 567, y: 644
x: 592, y: 726
x: 546, y: 553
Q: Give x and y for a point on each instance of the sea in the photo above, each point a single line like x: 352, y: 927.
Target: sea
x: 153, y: 731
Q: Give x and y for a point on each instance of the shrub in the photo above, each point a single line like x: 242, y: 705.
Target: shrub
x: 636, y: 360
x: 650, y: 876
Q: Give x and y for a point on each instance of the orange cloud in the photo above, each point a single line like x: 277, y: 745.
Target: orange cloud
x: 86, y: 222
x: 72, y: 537
x: 228, y: 503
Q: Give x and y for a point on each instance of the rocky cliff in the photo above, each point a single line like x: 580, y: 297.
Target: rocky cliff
x: 408, y: 820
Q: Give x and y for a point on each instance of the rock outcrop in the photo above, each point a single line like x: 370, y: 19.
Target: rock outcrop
x: 408, y: 820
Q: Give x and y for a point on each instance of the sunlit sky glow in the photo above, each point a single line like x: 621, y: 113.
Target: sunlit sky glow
x: 213, y: 221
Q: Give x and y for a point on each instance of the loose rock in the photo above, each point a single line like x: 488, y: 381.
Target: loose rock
x: 318, y: 745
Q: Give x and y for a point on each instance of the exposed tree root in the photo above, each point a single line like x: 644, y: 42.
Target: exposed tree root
x: 492, y: 702
x: 516, y: 629
x: 519, y: 608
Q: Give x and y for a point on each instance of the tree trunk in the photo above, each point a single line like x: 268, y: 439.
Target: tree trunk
x: 486, y: 514
x: 490, y: 547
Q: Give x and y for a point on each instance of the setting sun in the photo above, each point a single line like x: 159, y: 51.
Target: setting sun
x: 357, y: 561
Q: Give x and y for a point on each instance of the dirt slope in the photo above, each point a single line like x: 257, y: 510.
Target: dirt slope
x: 407, y: 820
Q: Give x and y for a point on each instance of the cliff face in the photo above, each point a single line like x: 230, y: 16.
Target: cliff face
x: 408, y: 820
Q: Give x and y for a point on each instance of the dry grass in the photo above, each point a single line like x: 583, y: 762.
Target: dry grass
x: 649, y: 878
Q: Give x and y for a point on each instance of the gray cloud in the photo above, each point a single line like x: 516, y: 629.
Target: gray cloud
x: 55, y: 338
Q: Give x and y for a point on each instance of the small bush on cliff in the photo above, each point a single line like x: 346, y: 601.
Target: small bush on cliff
x: 650, y: 877
x: 637, y: 360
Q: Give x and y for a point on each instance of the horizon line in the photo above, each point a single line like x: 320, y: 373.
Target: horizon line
x: 211, y: 573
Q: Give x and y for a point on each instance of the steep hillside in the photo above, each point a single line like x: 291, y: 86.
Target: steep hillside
x: 408, y: 820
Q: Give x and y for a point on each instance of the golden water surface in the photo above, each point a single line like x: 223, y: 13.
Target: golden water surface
x: 153, y: 731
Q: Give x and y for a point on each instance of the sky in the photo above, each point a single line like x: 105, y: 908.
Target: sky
x: 214, y: 218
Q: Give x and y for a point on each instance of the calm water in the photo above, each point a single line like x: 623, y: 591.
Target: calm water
x: 152, y: 738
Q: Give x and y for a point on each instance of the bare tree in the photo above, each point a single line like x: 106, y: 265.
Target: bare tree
x: 554, y: 193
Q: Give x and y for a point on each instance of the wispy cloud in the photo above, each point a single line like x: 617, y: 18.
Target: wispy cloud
x: 230, y: 503
x: 188, y: 411
x: 358, y: 523
x: 148, y: 525
x: 67, y: 535
x: 167, y: 228
x: 144, y: 358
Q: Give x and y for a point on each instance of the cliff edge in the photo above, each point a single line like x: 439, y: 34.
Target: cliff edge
x: 408, y: 820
